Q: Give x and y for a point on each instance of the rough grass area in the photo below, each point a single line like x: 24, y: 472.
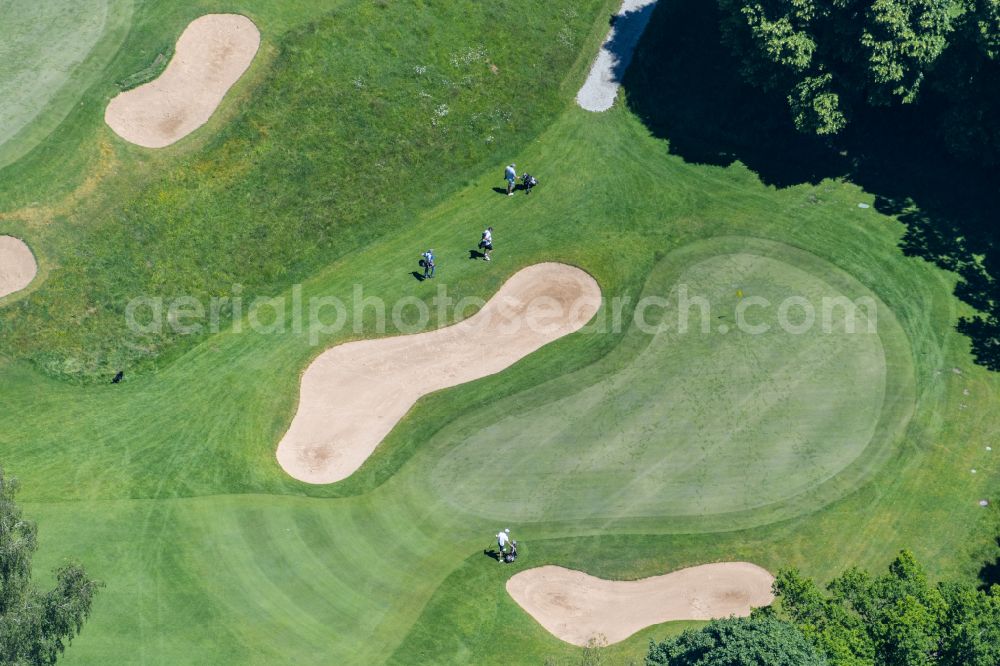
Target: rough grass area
x: 153, y: 71
x: 367, y: 115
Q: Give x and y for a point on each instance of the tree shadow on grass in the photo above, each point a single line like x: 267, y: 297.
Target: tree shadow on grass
x: 989, y: 575
x: 628, y: 28
x: 685, y: 86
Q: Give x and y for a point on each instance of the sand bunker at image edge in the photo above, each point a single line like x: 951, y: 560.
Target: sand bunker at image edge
x: 211, y: 55
x: 353, y: 394
x: 583, y: 610
x: 17, y: 265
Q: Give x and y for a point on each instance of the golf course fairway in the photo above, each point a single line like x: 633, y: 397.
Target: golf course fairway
x: 823, y: 413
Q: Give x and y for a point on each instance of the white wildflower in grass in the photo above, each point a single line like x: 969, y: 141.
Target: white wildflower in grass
x: 565, y: 37
x: 441, y: 111
x: 503, y: 115
x: 420, y: 69
x: 359, y: 83
x: 469, y: 56
x: 490, y: 139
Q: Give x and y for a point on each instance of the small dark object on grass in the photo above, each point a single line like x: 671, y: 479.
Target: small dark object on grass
x: 118, y: 378
x: 528, y: 181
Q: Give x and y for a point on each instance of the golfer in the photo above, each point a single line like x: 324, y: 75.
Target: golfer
x: 510, y: 175
x: 486, y: 244
x: 428, y: 257
x: 503, y: 538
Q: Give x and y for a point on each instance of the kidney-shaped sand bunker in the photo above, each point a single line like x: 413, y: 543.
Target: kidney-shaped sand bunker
x: 582, y: 609
x: 212, y: 54
x: 352, y: 395
x: 17, y: 265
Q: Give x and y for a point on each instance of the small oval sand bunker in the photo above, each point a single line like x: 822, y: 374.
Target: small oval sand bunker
x: 17, y: 265
x: 582, y: 609
x: 352, y: 395
x: 212, y: 54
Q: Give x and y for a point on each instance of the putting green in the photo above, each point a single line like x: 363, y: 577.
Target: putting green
x: 50, y: 52
x: 708, y: 417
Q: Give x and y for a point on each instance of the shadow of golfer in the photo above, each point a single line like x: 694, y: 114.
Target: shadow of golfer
x: 418, y: 276
x: 476, y: 254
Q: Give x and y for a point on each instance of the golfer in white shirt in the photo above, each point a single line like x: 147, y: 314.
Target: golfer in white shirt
x: 486, y: 244
x: 503, y: 538
x: 510, y: 175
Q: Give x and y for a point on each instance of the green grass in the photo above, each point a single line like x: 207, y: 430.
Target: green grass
x: 167, y: 488
x: 341, y: 145
x: 693, y: 423
x: 51, y: 53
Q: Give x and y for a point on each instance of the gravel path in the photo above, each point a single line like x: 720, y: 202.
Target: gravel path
x: 601, y: 87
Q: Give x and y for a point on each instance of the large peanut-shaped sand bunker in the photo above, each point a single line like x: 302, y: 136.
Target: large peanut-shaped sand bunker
x: 352, y: 395
x: 581, y: 609
x: 17, y: 265
x: 212, y: 54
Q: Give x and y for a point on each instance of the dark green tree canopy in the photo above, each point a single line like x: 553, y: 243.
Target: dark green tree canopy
x: 898, y: 619
x: 35, y: 626
x: 828, y: 56
x: 759, y: 640
x: 832, y: 58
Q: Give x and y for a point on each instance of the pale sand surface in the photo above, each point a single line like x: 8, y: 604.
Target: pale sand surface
x: 353, y: 394
x: 579, y: 608
x: 601, y: 87
x: 17, y: 265
x: 212, y: 54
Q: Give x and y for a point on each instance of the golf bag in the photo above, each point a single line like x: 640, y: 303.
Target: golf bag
x: 511, y: 554
x: 528, y: 181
